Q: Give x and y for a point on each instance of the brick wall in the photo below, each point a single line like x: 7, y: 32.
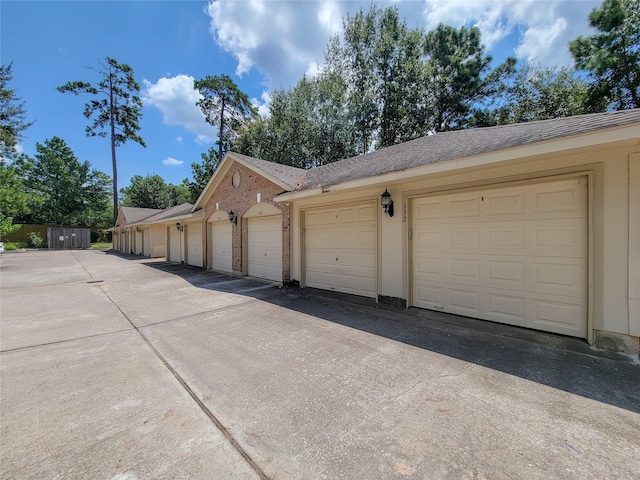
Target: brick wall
x: 239, y: 200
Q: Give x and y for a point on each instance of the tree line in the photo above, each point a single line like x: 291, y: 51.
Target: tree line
x: 381, y: 83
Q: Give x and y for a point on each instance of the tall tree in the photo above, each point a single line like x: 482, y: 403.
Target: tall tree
x: 152, y: 192
x: 225, y: 106
x: 459, y: 75
x: 358, y: 50
x: 307, y: 126
x: 535, y: 92
x: 13, y: 198
x: 202, y: 172
x: 13, y: 115
x: 117, y: 112
x: 400, y: 72
x: 612, y: 55
x: 146, y: 192
x: 64, y: 191
x: 13, y: 123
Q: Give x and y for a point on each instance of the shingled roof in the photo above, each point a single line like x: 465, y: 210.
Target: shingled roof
x: 176, y: 211
x: 135, y: 214
x: 444, y: 146
x: 291, y: 176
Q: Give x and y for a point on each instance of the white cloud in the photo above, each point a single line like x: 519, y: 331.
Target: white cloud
x: 262, y: 104
x: 172, y: 162
x: 543, y: 28
x: 19, y: 148
x: 281, y: 39
x: 179, y: 139
x: 285, y: 39
x: 176, y: 98
x: 538, y: 41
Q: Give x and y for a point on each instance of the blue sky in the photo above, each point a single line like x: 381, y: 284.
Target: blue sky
x: 261, y: 44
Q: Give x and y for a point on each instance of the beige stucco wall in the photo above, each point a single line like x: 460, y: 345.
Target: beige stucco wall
x: 634, y: 243
x: 612, y: 238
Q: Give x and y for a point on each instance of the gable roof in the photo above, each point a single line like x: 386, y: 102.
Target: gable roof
x: 458, y: 144
x: 289, y: 178
x: 130, y: 215
x: 176, y: 211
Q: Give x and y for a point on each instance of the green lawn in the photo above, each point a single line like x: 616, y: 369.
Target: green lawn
x: 101, y: 245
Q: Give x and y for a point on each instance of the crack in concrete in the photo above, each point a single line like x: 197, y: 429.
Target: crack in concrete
x: 235, y: 444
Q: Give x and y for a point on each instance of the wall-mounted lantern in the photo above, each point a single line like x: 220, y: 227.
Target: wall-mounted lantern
x: 233, y: 218
x: 179, y: 227
x: 387, y: 203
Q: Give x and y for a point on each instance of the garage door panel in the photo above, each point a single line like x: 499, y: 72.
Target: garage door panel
x: 558, y: 198
x: 501, y: 238
x: 510, y: 263
x: 557, y: 237
x: 463, y: 207
x: 465, y: 300
x: 504, y: 204
x: 366, y: 214
x: 568, y: 279
x: 340, y: 249
x: 566, y: 239
x: 504, y: 273
x: 174, y: 245
x: 428, y: 210
x: 464, y: 269
x: 505, y: 307
x: 194, y: 245
x: 265, y: 248
x: 509, y: 273
x: 221, y: 246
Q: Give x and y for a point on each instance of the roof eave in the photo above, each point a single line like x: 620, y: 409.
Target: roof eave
x: 185, y: 216
x: 590, y: 139
x: 222, y: 169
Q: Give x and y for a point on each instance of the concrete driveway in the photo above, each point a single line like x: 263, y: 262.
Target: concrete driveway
x: 117, y: 367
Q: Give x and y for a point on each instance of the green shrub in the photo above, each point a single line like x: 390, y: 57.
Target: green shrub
x: 100, y: 236
x: 10, y: 246
x: 36, y: 240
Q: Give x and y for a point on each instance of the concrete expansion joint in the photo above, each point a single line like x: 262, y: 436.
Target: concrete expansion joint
x: 216, y: 422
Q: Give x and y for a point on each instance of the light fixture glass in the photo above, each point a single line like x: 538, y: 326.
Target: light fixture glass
x: 387, y: 203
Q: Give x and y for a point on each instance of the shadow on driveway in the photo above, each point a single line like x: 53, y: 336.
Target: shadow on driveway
x: 564, y: 363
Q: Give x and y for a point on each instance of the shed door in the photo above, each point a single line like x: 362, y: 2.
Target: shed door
x: 194, y: 244
x: 175, y: 245
x: 340, y: 249
x: 515, y: 255
x: 221, y: 252
x: 265, y: 247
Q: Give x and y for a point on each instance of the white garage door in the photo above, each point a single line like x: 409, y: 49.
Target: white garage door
x: 221, y: 252
x: 138, y: 243
x: 340, y: 249
x: 146, y: 242
x: 515, y: 255
x: 174, y: 245
x: 265, y: 247
x: 194, y: 244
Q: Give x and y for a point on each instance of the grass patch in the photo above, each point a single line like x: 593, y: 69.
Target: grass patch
x: 15, y: 245
x: 101, y: 245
